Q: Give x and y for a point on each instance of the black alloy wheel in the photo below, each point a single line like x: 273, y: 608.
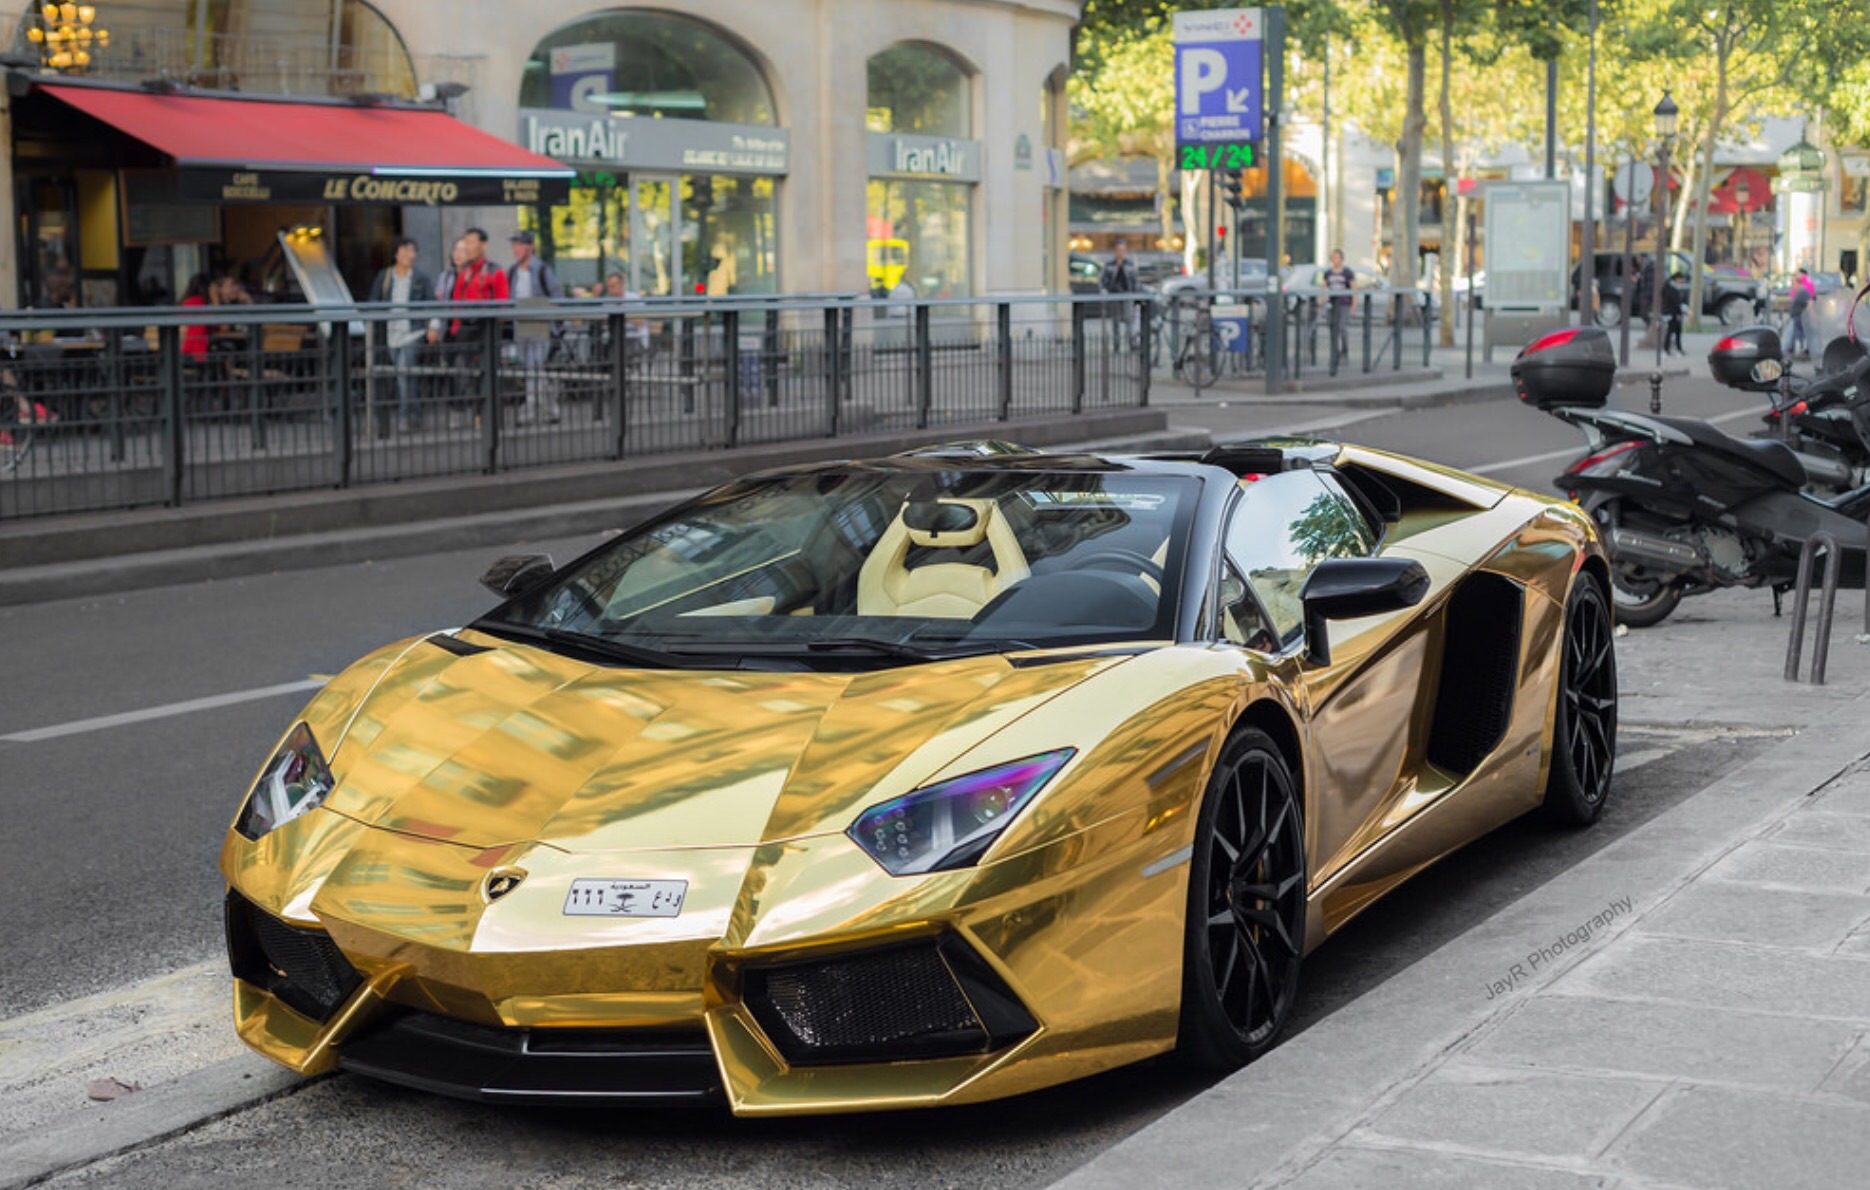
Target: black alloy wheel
x: 1584, y: 735
x: 1245, y: 928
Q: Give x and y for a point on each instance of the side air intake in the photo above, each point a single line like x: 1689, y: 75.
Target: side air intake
x: 1479, y: 669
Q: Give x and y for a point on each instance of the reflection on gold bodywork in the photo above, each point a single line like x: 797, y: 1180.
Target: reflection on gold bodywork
x: 741, y: 785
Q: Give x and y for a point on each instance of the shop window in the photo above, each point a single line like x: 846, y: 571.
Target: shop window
x: 269, y: 47
x: 918, y: 89
x: 647, y: 64
x: 924, y: 227
x: 729, y: 236
x: 1851, y: 194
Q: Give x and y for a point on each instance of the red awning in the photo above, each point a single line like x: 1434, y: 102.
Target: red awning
x: 1725, y: 198
x: 223, y: 143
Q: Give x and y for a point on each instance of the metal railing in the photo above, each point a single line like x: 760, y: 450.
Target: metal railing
x: 1378, y: 331
x: 177, y: 405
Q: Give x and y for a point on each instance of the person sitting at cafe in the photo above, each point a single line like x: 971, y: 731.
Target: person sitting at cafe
x: 195, y: 338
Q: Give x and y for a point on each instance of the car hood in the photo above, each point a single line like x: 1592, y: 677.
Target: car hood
x: 512, y: 744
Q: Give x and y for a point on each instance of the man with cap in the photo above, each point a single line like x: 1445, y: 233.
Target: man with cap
x: 530, y: 278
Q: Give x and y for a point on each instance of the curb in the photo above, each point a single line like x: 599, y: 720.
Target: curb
x: 144, y: 1118
x: 1270, y: 1121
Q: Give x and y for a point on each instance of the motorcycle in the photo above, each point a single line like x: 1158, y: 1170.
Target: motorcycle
x: 1826, y: 417
x: 1684, y: 508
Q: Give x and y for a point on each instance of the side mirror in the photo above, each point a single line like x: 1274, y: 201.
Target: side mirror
x: 516, y: 574
x: 1345, y: 588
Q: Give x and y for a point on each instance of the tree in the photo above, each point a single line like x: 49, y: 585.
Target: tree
x: 1126, y: 107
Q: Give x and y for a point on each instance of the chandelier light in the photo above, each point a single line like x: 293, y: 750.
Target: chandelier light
x: 65, y: 35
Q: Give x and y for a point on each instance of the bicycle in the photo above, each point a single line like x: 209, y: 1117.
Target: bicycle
x: 1198, y: 357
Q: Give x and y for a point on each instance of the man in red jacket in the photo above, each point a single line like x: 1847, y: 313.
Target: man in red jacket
x: 478, y: 279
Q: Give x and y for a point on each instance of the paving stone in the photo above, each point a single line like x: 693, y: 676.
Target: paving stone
x: 1510, y: 1112
x: 1728, y: 975
x: 1352, y: 1167
x: 1795, y: 867
x: 1668, y: 1041
x: 1827, y: 828
x: 1771, y: 916
x: 1724, y: 1139
x: 1852, y: 1076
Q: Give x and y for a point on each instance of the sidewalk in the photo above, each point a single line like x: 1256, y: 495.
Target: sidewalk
x: 1689, y: 1006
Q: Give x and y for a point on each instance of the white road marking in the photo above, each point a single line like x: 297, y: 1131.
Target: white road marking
x: 1552, y: 456
x: 103, y: 722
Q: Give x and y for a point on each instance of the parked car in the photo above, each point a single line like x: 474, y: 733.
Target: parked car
x: 913, y: 782
x: 1728, y: 292
x: 1779, y: 290
x: 1084, y: 272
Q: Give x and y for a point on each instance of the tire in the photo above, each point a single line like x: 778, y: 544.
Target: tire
x: 1609, y: 313
x: 1244, y: 932
x: 1644, y: 602
x: 1200, y: 360
x: 1735, y: 310
x: 1584, y: 720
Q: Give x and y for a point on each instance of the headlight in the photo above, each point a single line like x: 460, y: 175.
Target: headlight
x: 946, y: 826
x: 296, y: 781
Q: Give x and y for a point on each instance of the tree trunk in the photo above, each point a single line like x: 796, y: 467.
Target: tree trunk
x: 1449, y: 182
x: 1165, y: 210
x: 1405, y: 211
x: 1194, y: 207
x: 1703, y: 187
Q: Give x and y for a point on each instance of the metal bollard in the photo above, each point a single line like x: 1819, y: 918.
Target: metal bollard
x: 1655, y: 392
x: 1827, y: 603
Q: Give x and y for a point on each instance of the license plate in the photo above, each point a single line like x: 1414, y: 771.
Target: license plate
x: 625, y: 898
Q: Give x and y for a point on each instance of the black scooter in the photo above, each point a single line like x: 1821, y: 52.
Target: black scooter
x: 1683, y: 507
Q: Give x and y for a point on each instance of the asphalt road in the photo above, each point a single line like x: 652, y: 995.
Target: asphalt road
x: 107, y: 873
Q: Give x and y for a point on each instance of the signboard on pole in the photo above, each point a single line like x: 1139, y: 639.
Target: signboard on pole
x: 1218, y: 69
x: 1528, y: 245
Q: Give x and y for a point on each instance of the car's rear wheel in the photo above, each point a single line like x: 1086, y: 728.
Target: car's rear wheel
x: 1609, y: 312
x: 1736, y: 310
x: 1584, y: 729
x: 1245, y: 928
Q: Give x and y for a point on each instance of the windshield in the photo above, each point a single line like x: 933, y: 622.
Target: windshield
x: 896, y: 566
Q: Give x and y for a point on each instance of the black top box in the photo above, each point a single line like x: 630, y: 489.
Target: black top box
x: 1574, y: 366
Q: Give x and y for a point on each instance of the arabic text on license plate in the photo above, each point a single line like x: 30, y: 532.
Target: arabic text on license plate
x: 625, y: 898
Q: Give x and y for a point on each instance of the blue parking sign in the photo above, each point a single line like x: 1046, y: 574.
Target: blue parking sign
x: 1218, y: 77
x: 1233, y: 334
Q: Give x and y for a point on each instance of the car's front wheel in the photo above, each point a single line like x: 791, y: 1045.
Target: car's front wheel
x: 1245, y: 928
x: 1584, y: 727
x: 1736, y: 310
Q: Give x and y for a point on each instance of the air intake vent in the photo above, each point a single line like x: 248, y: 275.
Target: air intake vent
x: 1479, y: 668
x: 303, y: 968
x: 922, y: 1000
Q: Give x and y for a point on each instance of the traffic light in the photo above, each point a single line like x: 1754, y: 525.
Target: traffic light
x: 1230, y: 188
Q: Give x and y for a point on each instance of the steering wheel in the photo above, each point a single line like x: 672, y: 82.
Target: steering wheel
x: 1120, y: 559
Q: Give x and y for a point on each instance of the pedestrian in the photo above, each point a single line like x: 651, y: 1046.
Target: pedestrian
x: 1119, y: 277
x: 1672, y: 304
x: 445, y: 280
x: 1803, y: 291
x: 1338, y: 282
x: 400, y: 284
x: 195, y: 338
x: 527, y: 278
x: 476, y: 279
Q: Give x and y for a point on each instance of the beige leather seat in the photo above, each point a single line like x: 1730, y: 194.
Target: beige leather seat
x: 886, y: 586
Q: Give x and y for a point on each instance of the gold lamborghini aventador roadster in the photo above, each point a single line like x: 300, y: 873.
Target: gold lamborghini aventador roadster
x: 923, y: 780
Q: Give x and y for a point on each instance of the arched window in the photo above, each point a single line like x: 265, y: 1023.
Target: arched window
x: 918, y: 89
x: 270, y: 47
x: 647, y: 64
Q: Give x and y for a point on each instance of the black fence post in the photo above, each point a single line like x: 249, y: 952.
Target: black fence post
x: 174, y: 406
x: 113, y: 373
x: 925, y: 367
x: 619, y: 383
x: 687, y: 371
x: 341, y: 389
x: 1003, y: 332
x: 730, y: 343
x: 1145, y: 350
x: 833, y: 328
x: 1367, y: 340
x: 847, y: 352
x: 1428, y: 327
x: 1077, y: 356
x: 489, y: 335
x: 770, y: 344
x: 1396, y: 332
x: 255, y: 372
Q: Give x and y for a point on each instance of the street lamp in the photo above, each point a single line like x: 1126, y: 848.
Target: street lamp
x: 1666, y: 115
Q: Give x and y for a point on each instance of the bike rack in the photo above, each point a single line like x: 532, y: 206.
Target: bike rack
x: 1827, y: 604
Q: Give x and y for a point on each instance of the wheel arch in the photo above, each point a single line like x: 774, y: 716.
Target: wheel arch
x: 1268, y: 716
